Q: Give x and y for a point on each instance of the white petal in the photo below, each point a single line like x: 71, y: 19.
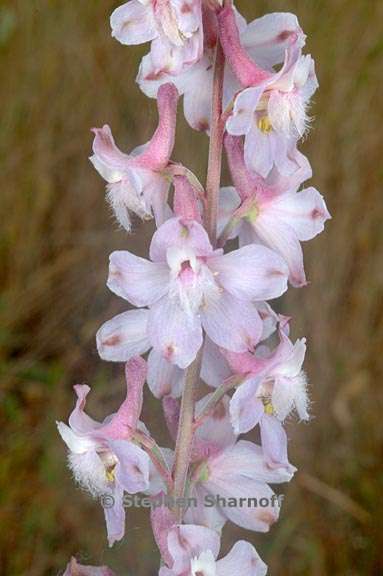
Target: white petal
x: 124, y: 336
x: 133, y: 23
x: 136, y: 279
x: 251, y: 273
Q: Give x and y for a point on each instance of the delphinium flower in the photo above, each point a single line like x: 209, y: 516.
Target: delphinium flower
x: 201, y: 304
x: 102, y: 457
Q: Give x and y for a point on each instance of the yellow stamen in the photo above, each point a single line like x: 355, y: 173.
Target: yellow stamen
x: 252, y: 214
x: 265, y: 125
x: 109, y: 473
x: 269, y: 408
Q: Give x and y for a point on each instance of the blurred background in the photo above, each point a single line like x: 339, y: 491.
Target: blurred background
x: 60, y: 74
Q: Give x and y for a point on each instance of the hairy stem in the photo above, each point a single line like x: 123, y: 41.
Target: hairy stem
x: 216, y: 144
x: 185, y: 429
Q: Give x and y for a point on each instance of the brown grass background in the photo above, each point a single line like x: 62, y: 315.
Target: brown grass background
x: 60, y: 74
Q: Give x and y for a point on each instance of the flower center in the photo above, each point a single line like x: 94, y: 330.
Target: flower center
x: 264, y: 124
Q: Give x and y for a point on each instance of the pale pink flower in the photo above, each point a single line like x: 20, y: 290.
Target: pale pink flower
x: 76, y: 569
x: 272, y: 212
x: 234, y: 469
x: 188, y: 287
x: 271, y: 111
x: 274, y: 386
x: 174, y: 27
x: 194, y: 551
x: 138, y: 182
x: 101, y: 456
x: 264, y: 39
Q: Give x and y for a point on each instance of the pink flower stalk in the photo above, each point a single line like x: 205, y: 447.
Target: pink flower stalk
x: 273, y: 213
x: 102, y: 456
x: 173, y: 27
x: 201, y: 302
x: 189, y: 287
x: 194, y: 551
x: 76, y: 569
x: 138, y: 182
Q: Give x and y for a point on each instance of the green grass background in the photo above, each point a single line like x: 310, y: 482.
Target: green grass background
x: 60, y: 74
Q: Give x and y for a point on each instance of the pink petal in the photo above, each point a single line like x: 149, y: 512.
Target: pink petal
x: 216, y: 433
x: 251, y: 273
x: 174, y: 333
x: 274, y: 442
x: 197, y: 88
x: 242, y: 119
x: 132, y: 470
x: 246, y: 409
x: 136, y: 279
x: 246, y: 459
x: 228, y: 483
x: 209, y: 516
x: 242, y: 559
x: 282, y: 238
x: 183, y: 234
x: 115, y: 517
x: 124, y: 336
x: 214, y: 369
x: 162, y: 520
x: 158, y: 151
x: 244, y: 181
x: 247, y: 71
x: 164, y: 378
x: 133, y: 23
x: 304, y: 211
x: 188, y: 14
x: 107, y: 153
x: 267, y: 38
x: 80, y: 422
x: 126, y: 418
x: 185, y: 200
x: 231, y: 323
x: 188, y: 541
x: 258, y: 152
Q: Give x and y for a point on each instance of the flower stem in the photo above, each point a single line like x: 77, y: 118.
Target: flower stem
x: 216, y: 144
x: 156, y: 456
x: 216, y: 397
x: 185, y: 430
x: 186, y: 420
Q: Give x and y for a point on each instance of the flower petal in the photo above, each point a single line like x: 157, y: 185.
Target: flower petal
x: 305, y: 211
x: 124, y: 336
x: 133, y: 23
x: 115, y: 517
x: 246, y: 409
x: 183, y: 234
x: 164, y: 378
x: 174, y: 333
x: 274, y: 442
x: 132, y: 470
x: 242, y: 559
x: 282, y: 238
x: 231, y: 323
x: 136, y: 279
x: 188, y: 541
x: 251, y: 273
